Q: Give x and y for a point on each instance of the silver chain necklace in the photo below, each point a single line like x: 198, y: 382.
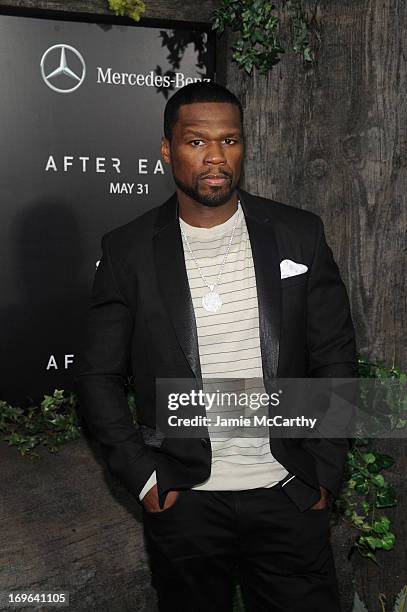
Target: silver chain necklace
x: 212, y: 301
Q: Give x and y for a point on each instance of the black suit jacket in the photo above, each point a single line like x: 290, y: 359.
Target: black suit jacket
x: 141, y: 323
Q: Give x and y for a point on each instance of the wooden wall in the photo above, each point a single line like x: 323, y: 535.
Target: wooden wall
x: 332, y: 138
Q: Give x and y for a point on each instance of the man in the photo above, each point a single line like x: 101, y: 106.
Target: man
x: 219, y: 283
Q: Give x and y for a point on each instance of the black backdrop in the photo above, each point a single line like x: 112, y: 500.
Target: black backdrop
x: 80, y: 155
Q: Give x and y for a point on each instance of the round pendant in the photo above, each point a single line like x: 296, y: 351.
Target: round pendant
x: 212, y: 301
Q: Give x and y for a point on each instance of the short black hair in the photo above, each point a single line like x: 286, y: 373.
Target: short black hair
x: 200, y: 91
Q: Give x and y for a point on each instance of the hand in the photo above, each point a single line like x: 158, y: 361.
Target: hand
x: 150, y: 500
x: 323, y: 500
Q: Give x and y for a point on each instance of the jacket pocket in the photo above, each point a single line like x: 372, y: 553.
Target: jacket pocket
x: 293, y: 281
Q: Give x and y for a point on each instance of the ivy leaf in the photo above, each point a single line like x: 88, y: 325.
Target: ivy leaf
x: 373, y: 542
x: 388, y: 540
x: 401, y: 601
x: 378, y: 480
x: 386, y: 497
x: 358, y: 605
x: 369, y: 457
x: 362, y: 488
x: 381, y: 525
x: 308, y: 54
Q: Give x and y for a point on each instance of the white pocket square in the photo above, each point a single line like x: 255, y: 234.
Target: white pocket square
x: 291, y: 268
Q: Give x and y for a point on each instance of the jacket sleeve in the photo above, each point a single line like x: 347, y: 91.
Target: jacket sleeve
x: 104, y: 364
x: 331, y: 351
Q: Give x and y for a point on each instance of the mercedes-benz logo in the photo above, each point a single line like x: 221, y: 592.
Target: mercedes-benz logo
x: 62, y: 68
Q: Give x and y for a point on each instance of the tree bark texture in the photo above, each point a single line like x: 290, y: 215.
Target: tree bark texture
x: 331, y: 137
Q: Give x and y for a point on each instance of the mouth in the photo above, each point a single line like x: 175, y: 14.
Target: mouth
x: 218, y: 180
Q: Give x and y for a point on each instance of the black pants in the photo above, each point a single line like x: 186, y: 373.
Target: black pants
x: 282, y: 557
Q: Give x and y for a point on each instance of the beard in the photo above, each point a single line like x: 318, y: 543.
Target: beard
x: 216, y: 196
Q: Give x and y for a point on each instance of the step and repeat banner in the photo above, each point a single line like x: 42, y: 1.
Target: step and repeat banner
x: 81, y: 108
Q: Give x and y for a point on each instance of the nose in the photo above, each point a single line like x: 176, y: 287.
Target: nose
x: 215, y: 153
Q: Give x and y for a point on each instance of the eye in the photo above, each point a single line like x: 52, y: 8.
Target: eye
x: 196, y: 141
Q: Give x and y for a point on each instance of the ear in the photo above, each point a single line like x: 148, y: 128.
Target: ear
x: 165, y: 150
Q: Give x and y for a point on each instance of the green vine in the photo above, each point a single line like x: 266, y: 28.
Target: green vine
x: 258, y: 25
x: 365, y: 494
x: 128, y: 8
x: 50, y: 424
x: 367, y: 491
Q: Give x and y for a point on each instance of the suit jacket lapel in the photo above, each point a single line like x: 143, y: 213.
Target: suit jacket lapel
x: 173, y: 281
x: 267, y: 269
